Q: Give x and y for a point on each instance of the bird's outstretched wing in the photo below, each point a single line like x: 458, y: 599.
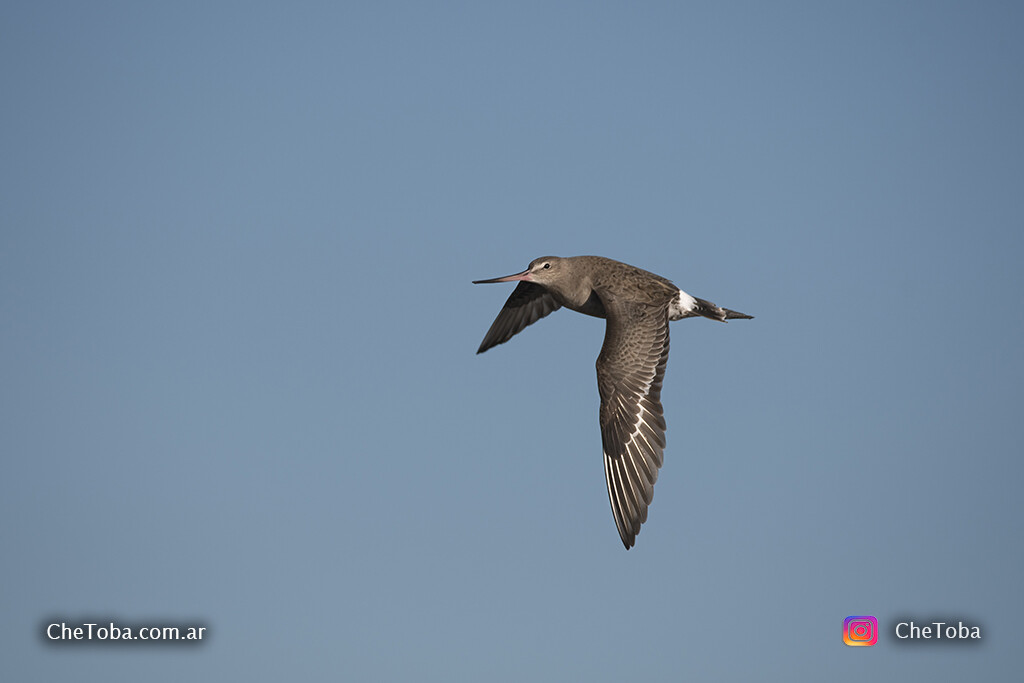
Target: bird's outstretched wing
x: 630, y: 370
x: 527, y: 304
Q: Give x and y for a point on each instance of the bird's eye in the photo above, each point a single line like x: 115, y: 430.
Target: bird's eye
x: 547, y: 265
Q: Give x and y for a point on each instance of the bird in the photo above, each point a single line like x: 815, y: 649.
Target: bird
x: 638, y: 306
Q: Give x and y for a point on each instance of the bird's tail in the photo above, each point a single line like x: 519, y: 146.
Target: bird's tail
x: 715, y: 312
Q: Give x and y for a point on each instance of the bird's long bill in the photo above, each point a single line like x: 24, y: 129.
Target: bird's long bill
x: 524, y: 276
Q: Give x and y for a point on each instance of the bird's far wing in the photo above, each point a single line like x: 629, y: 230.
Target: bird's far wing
x: 527, y: 304
x: 630, y: 370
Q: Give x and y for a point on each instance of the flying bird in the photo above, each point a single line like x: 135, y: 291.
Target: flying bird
x: 638, y: 306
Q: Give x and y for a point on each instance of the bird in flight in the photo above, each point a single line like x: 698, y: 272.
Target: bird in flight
x: 638, y: 306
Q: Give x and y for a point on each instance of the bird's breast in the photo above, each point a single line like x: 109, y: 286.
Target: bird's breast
x: 591, y: 306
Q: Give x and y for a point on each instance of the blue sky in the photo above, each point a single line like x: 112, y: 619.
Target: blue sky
x: 238, y: 376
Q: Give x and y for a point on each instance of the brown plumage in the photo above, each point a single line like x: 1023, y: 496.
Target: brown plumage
x: 638, y: 306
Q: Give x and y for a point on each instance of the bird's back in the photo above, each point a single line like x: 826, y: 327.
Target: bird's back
x: 615, y: 280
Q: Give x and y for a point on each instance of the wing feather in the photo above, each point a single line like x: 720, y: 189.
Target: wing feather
x: 630, y: 371
x: 527, y: 304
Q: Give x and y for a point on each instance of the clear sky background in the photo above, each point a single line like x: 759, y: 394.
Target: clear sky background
x: 238, y: 384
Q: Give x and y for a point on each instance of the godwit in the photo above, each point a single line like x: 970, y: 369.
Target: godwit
x: 638, y: 306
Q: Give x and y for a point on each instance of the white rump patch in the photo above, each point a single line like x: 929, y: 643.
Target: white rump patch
x: 682, y: 306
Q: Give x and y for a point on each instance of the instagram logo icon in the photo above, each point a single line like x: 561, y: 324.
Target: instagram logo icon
x: 860, y: 631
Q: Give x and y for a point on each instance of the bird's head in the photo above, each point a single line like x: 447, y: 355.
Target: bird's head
x: 543, y: 271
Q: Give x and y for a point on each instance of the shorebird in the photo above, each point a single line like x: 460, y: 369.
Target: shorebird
x: 630, y: 368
